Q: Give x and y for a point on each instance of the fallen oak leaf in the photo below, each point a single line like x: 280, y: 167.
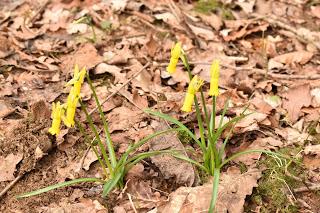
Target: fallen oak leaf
x: 233, y: 189
x: 8, y: 166
x: 295, y: 99
x: 267, y: 143
x: 301, y: 57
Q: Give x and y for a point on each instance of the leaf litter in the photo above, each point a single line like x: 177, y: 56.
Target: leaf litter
x: 262, y: 56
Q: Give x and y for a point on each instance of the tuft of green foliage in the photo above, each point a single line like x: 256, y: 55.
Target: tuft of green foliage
x: 274, y: 187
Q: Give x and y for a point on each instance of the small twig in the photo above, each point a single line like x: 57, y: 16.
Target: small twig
x: 314, y: 187
x: 122, y: 86
x: 10, y: 185
x: 84, y: 157
x: 304, y: 203
x: 39, y: 12
x: 287, y: 173
x: 152, y: 26
x: 115, y: 38
x: 132, y: 204
x: 87, y: 151
x: 301, y: 35
x: 255, y: 71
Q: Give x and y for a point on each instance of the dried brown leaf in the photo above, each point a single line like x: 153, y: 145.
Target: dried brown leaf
x: 112, y: 69
x: 213, y: 20
x: 86, y: 56
x: 123, y: 118
x: 233, y: 189
x: 8, y: 166
x: 295, y: 99
x: 301, y: 57
x: 169, y: 166
x: 267, y: 143
x: 85, y: 205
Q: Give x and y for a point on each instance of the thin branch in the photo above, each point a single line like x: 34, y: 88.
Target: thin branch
x: 314, y: 187
x: 254, y: 71
x: 10, y: 185
x: 122, y: 86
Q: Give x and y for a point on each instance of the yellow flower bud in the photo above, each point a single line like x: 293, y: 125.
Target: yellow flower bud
x: 57, y: 112
x: 175, y: 55
x: 193, y: 88
x: 214, y: 79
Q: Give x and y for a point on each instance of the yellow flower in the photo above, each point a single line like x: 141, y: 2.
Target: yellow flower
x: 57, y: 112
x: 78, y: 77
x: 72, y: 102
x: 193, y: 88
x: 77, y: 85
x: 74, y: 95
x: 214, y: 81
x: 175, y: 55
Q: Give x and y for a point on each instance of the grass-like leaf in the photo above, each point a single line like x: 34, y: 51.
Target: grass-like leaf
x: 111, y: 183
x: 254, y: 151
x: 185, y: 158
x: 59, y: 185
x: 178, y: 123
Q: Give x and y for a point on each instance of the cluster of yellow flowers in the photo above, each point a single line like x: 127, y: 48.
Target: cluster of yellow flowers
x: 196, y: 81
x: 66, y: 112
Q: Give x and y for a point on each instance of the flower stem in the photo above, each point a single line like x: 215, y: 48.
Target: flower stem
x: 105, y: 125
x: 101, y: 146
x: 86, y: 137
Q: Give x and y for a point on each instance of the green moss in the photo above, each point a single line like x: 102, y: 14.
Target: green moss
x: 185, y: 138
x: 243, y: 167
x: 273, y: 188
x: 206, y: 6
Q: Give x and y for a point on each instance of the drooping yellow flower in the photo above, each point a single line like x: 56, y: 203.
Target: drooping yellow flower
x: 72, y: 102
x: 175, y: 55
x: 57, y: 112
x: 74, y: 95
x: 78, y: 78
x: 214, y: 78
x: 193, y: 88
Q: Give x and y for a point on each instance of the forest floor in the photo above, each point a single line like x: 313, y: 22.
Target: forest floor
x: 270, y: 61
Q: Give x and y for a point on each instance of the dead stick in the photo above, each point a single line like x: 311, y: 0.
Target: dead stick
x: 305, y: 38
x: 123, y: 85
x: 255, y: 71
x: 10, y: 185
x: 39, y: 12
x: 309, y: 188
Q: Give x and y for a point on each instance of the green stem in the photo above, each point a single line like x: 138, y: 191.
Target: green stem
x: 215, y: 188
x: 211, y: 161
x: 105, y: 125
x: 200, y: 122
x: 94, y: 130
x: 206, y: 117
x: 198, y: 113
x: 213, y: 115
x: 86, y: 137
